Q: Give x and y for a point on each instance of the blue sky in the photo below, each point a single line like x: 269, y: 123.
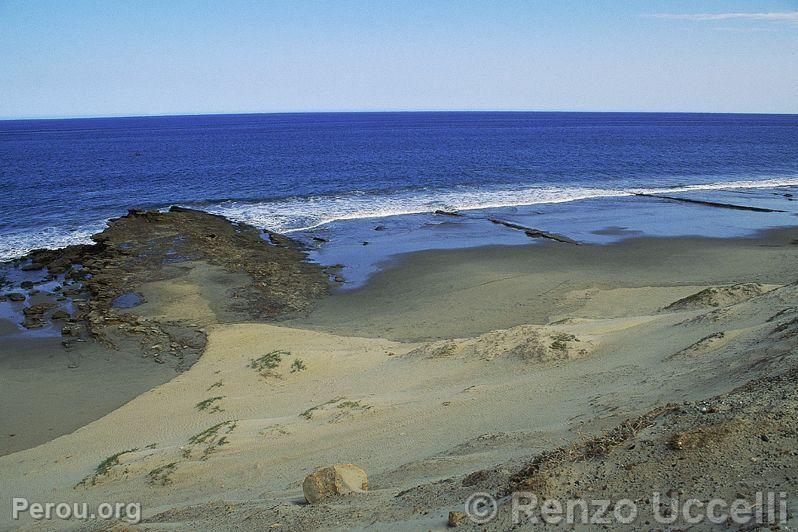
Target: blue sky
x: 104, y: 58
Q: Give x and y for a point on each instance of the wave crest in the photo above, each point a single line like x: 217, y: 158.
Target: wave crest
x: 306, y: 213
x: 289, y: 215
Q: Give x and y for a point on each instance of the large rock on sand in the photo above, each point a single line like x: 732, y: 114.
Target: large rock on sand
x: 329, y: 482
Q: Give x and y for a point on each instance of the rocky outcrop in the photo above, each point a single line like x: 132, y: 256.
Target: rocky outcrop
x: 143, y: 247
x: 707, y: 203
x: 534, y: 233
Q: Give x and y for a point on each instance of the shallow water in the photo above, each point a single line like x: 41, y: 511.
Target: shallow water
x: 593, y: 221
x: 127, y: 300
x: 62, y: 179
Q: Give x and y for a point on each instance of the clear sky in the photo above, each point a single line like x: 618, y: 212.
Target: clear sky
x: 110, y: 57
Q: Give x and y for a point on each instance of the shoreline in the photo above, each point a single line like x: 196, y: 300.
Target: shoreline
x: 690, y: 193
x: 451, y: 372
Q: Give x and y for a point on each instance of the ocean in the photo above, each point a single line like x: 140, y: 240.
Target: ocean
x: 311, y: 173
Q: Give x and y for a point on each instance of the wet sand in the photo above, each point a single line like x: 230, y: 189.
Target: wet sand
x: 46, y: 392
x: 452, y: 372
x: 456, y: 293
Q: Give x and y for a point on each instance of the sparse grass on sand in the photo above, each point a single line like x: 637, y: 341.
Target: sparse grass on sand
x: 269, y: 361
x: 103, y: 467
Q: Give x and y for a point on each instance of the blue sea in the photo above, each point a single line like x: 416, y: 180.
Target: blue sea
x: 341, y: 175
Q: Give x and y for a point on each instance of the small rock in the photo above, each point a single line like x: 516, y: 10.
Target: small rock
x: 60, y: 315
x: 332, y: 481
x: 31, y: 267
x: 37, y: 310
x: 26, y: 285
x: 455, y: 518
x: 70, y: 330
x: 16, y: 296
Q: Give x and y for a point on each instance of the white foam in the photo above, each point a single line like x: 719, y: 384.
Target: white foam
x: 18, y: 243
x: 305, y: 213
x: 302, y: 214
x: 762, y: 183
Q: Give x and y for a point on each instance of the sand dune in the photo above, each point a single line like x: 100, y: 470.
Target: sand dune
x: 227, y: 443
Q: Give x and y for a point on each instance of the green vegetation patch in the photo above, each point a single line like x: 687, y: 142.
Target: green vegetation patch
x: 308, y: 414
x: 207, y: 403
x: 161, y: 476
x: 269, y: 361
x: 104, y: 467
x: 208, y: 435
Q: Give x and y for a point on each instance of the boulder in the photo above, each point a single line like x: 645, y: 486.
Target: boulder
x: 329, y: 482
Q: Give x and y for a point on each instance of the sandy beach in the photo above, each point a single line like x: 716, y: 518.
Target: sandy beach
x: 397, y: 266
x: 653, y: 364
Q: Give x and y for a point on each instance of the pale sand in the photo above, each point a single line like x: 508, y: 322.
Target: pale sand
x: 413, y: 414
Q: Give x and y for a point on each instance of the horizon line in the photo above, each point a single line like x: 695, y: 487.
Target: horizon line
x: 382, y: 111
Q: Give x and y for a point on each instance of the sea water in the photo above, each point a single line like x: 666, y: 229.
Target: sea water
x: 370, y: 182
